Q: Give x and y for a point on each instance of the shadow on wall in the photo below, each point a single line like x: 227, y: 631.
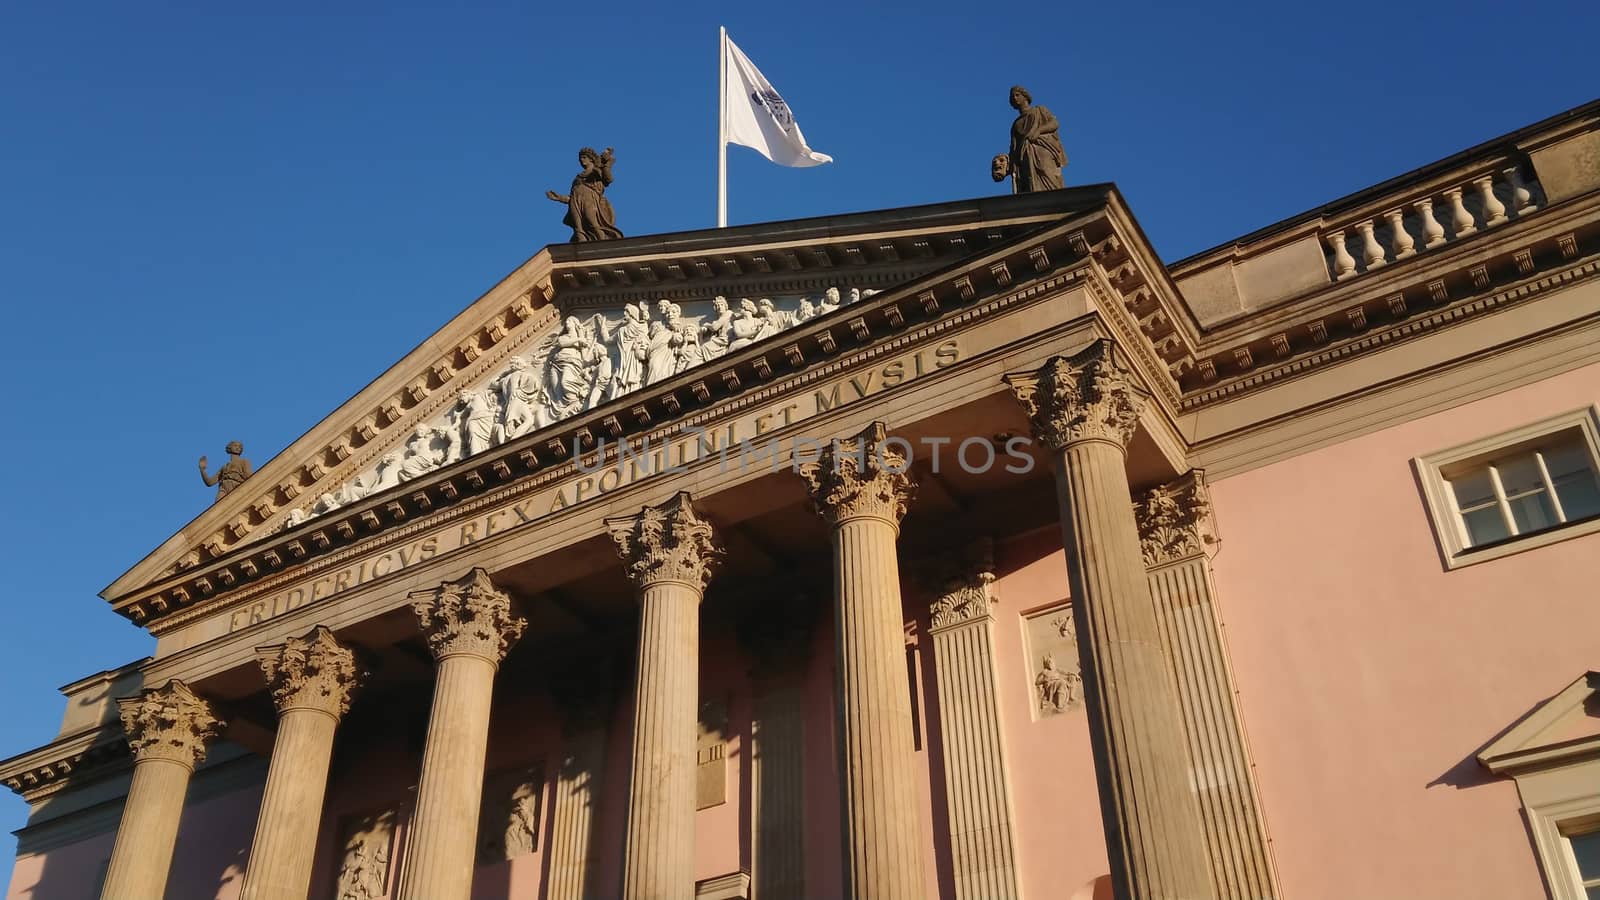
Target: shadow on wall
x: 1098, y: 889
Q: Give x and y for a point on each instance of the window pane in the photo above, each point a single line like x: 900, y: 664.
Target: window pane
x: 1473, y: 490
x: 1485, y: 525
x: 1575, y: 484
x: 1592, y: 893
x: 1586, y: 849
x: 1533, y: 512
x: 1520, y: 475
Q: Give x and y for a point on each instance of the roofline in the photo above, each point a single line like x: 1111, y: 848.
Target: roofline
x: 1367, y: 194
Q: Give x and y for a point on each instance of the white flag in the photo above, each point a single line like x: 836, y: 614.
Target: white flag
x: 755, y: 115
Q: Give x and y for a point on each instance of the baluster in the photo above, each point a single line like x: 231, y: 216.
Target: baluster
x: 1404, y: 246
x: 1494, y: 212
x: 1344, y: 265
x: 1521, y: 197
x: 1371, y: 250
x: 1460, y: 219
x: 1431, y: 229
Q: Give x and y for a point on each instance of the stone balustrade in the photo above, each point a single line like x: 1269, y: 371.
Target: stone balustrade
x: 1403, y: 227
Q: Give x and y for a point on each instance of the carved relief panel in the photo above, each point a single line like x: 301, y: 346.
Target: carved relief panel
x: 1055, y: 680
x: 508, y: 821
x: 366, y: 854
x: 711, y: 755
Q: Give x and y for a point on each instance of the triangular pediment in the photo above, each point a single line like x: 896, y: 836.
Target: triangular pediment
x: 611, y: 334
x: 1561, y: 729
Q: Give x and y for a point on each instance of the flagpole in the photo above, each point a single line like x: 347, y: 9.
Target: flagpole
x: 722, y: 128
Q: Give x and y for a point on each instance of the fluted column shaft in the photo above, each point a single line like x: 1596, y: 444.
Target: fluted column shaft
x: 167, y: 729
x: 142, y: 855
x: 669, y: 552
x: 861, y: 488
x: 1086, y: 409
x: 660, y: 838
x: 470, y: 627
x: 311, y: 679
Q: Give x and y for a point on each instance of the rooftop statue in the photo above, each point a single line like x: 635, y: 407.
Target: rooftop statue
x: 231, y: 475
x: 1036, y: 156
x: 589, y: 213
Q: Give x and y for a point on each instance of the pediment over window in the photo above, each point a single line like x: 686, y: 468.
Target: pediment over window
x: 1564, y: 729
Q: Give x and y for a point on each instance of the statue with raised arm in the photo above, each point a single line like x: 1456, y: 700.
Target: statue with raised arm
x: 231, y: 475
x: 1036, y: 156
x: 589, y: 213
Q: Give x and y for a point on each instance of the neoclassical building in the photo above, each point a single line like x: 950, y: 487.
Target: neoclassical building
x: 962, y: 551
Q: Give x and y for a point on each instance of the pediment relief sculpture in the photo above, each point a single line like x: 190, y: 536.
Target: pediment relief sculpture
x: 587, y: 361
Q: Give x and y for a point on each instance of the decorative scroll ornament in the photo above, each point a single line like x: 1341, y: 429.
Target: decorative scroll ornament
x: 1175, y: 520
x: 669, y: 542
x: 1088, y: 396
x: 865, y: 475
x: 169, y: 722
x: 965, y: 593
x: 468, y: 616
x: 577, y: 367
x: 313, y: 672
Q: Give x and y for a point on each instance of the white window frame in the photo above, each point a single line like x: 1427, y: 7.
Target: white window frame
x: 1440, y: 498
x: 1558, y: 780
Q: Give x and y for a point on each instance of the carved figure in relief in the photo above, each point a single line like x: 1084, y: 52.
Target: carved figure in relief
x: 1036, y: 155
x: 807, y: 310
x: 231, y: 475
x: 519, y: 397
x: 424, y: 453
x: 661, y: 354
x: 1059, y: 689
x: 773, y: 320
x: 746, y: 325
x: 830, y: 301
x: 524, y: 825
x: 714, y: 335
x: 365, y: 865
x: 475, y: 419
x: 578, y: 369
x: 589, y: 213
x: 633, y: 348
x: 1000, y: 169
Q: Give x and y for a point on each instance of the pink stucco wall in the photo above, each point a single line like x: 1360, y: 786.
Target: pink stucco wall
x: 208, y: 860
x: 1369, y: 677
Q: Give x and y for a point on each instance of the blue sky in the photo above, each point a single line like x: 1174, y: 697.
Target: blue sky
x: 218, y: 223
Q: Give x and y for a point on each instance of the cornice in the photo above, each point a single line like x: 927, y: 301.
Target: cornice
x: 1543, y: 251
x: 91, y: 753
x: 914, y: 313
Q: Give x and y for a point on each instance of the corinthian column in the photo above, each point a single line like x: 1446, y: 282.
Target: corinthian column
x: 860, y: 486
x: 469, y: 626
x: 669, y: 552
x: 167, y: 729
x: 311, y: 679
x: 1177, y: 533
x: 1085, y: 409
x: 977, y: 782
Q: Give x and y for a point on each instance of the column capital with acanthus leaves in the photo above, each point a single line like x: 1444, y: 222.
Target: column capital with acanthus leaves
x: 1091, y: 395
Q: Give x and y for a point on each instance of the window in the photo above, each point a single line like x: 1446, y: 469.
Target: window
x: 1526, y: 488
x: 1585, y: 849
x: 1553, y: 754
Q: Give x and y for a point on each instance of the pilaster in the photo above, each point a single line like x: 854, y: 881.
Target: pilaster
x: 1085, y: 409
x: 860, y: 486
x: 977, y: 778
x: 469, y: 626
x: 1177, y: 532
x: 777, y: 635
x: 669, y: 552
x: 167, y: 729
